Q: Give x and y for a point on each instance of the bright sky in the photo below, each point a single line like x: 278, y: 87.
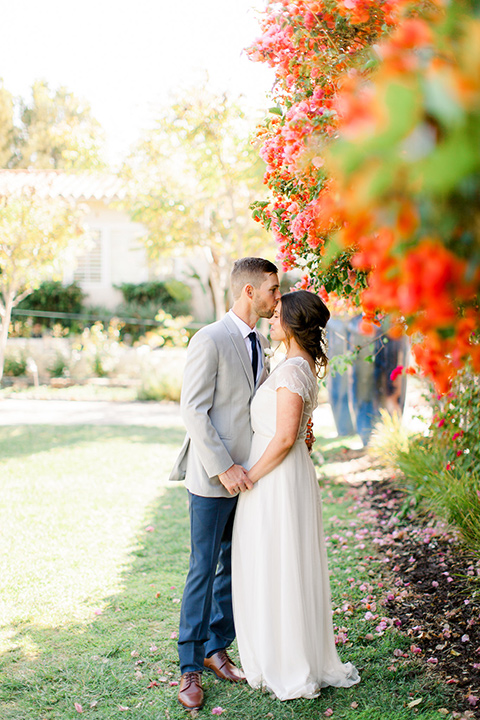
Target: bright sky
x: 126, y: 57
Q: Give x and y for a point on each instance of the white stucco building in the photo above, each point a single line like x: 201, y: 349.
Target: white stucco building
x: 116, y: 253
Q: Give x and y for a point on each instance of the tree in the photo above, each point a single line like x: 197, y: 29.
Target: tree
x: 54, y: 130
x: 7, y: 127
x: 372, y: 156
x: 191, y: 181
x: 35, y: 236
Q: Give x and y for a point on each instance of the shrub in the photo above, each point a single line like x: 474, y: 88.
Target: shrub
x: 100, y: 346
x: 15, y: 364
x: 59, y: 366
x: 440, y: 468
x: 162, y: 371
x: 172, y: 296
x: 129, y: 312
x: 173, y: 332
x: 456, y: 422
x: 453, y: 495
x: 158, y: 386
x: 53, y: 296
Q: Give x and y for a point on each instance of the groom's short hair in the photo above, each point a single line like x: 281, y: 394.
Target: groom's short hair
x: 250, y: 271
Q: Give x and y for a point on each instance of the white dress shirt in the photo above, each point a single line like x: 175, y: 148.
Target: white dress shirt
x: 246, y: 330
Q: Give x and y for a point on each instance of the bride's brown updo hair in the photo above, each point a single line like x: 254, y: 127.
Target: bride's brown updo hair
x: 304, y: 316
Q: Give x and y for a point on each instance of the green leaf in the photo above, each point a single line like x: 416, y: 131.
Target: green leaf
x: 440, y: 103
x: 452, y: 160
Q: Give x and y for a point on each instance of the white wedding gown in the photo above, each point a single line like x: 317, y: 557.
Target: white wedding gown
x: 280, y: 583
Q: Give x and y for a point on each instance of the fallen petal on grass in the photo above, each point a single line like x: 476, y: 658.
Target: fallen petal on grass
x: 415, y: 702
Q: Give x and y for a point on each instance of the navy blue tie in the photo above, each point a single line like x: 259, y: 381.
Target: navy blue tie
x: 253, y: 340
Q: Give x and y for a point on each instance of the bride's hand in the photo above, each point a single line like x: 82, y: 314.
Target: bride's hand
x: 251, y: 482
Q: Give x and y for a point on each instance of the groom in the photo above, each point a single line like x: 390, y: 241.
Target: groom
x: 224, y: 366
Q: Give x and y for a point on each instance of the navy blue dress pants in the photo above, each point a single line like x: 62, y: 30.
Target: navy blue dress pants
x: 206, y: 617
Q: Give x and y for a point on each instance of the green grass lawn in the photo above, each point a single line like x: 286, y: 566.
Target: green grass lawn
x: 93, y: 557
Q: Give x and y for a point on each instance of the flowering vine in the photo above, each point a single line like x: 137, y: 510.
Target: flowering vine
x: 373, y: 165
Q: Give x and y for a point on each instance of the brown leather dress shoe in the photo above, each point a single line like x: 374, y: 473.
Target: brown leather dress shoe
x: 190, y: 694
x: 223, y: 667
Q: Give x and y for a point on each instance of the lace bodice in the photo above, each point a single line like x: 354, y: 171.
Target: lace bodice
x: 295, y: 375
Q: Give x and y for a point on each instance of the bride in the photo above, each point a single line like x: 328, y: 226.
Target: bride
x: 281, y: 590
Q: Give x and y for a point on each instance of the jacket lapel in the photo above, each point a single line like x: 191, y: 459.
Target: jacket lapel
x: 241, y: 349
x: 264, y: 344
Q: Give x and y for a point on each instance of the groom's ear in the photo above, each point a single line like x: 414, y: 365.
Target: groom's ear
x: 248, y: 289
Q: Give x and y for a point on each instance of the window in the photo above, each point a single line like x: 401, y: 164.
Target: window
x: 90, y: 265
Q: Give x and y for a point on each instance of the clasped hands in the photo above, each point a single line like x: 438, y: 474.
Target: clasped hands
x: 235, y: 480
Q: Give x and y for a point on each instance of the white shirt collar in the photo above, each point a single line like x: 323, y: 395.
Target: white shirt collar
x: 242, y: 326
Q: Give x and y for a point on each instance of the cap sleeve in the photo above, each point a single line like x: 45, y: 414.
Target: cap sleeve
x: 293, y: 378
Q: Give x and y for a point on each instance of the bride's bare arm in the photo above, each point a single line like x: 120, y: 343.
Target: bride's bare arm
x: 289, y: 415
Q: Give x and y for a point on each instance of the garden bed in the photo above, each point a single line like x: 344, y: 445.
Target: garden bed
x: 433, y: 580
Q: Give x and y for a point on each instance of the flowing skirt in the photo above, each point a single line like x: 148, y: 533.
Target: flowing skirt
x: 280, y: 582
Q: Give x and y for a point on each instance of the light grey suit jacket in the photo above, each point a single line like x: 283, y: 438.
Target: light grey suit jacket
x: 215, y: 403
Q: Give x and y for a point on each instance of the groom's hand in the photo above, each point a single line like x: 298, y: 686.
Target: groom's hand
x: 235, y: 480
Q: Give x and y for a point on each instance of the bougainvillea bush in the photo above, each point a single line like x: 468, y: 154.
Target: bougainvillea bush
x: 373, y: 163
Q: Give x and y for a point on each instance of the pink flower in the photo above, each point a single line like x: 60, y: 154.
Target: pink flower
x: 415, y: 649
x: 217, y: 710
x: 173, y: 635
x: 472, y: 699
x: 78, y: 707
x: 432, y: 661
x: 328, y: 712
x: 149, y: 528
x: 396, y: 372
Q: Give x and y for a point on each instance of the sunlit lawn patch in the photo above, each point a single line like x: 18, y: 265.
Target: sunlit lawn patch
x: 94, y: 552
